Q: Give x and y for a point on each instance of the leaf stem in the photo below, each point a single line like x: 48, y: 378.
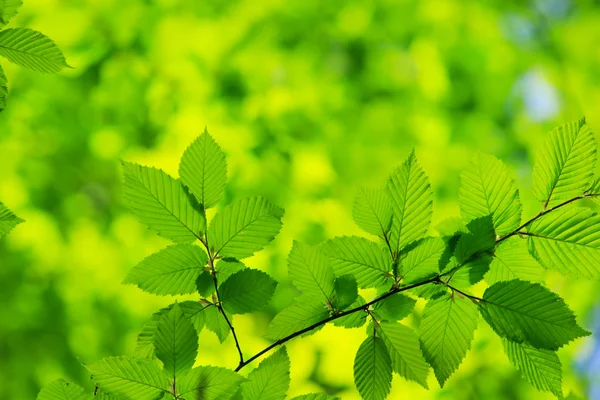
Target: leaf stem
x: 364, y: 307
x: 211, y: 264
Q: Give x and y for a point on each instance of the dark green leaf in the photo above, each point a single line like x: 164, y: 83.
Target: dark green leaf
x: 246, y: 291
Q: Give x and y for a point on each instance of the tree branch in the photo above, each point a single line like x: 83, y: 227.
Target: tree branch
x: 364, y: 307
x: 395, y: 290
x: 541, y: 214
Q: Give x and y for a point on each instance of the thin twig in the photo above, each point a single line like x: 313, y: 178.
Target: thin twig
x: 364, y: 307
x: 541, y: 214
x: 211, y: 259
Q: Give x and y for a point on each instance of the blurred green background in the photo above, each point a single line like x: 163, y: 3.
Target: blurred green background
x: 310, y: 100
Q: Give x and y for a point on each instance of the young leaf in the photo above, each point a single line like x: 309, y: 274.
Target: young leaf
x: 8, y: 9
x: 367, y: 261
x: 512, y: 261
x: 31, y: 49
x: 487, y: 188
x: 310, y: 272
x: 373, y: 370
x: 176, y: 342
x: 215, y: 322
x: 567, y: 241
x: 316, y: 396
x: 246, y: 291
x: 208, y: 383
x: 244, y: 227
x: 270, y: 380
x: 3, y: 89
x: 130, y: 378
x: 161, y: 202
x: 345, y: 292
x: 8, y: 221
x: 354, y: 320
x: 412, y: 203
x: 541, y: 368
x: 373, y: 211
x: 394, y: 307
x: 60, y: 390
x: 296, y: 317
x: 422, y: 261
x: 173, y: 270
x: 564, y: 167
x: 193, y: 310
x: 446, y: 331
x: 405, y: 351
x: 204, y: 170
x: 528, y: 312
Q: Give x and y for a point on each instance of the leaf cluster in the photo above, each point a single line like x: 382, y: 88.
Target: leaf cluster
x: 489, y: 245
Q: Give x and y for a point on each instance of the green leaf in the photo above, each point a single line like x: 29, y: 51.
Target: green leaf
x: 487, y: 188
x: 541, y: 368
x: 481, y: 238
x: 270, y: 380
x: 204, y: 170
x: 8, y: 9
x: 564, y: 166
x: 412, y: 203
x: 422, y: 261
x: 594, y: 190
x: 310, y: 272
x: 394, y: 307
x: 372, y: 211
x: 60, y: 390
x: 162, y: 203
x: 405, y: 351
x: 567, y: 241
x: 373, y: 369
x: 3, y: 88
x: 346, y: 291
x: 528, y: 312
x: 244, y: 227
x: 31, y: 49
x: 354, y: 320
x: 451, y: 226
x: 367, y: 261
x: 512, y: 261
x: 296, y: 317
x: 208, y: 383
x: 8, y: 221
x: 316, y: 396
x: 173, y: 270
x: 131, y: 378
x: 216, y: 323
x: 246, y: 291
x: 227, y: 267
x: 193, y: 310
x: 205, y: 284
x: 471, y: 272
x: 446, y: 331
x: 176, y: 342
